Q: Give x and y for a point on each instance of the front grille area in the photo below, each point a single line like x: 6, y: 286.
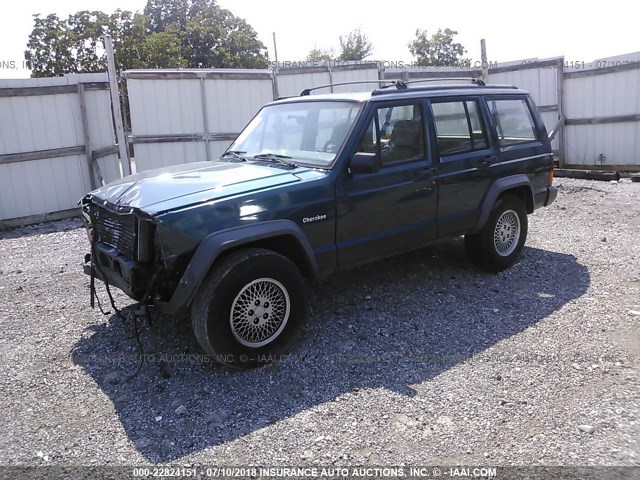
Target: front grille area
x: 119, y: 231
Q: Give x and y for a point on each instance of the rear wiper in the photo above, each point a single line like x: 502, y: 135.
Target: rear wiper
x: 237, y: 154
x: 274, y: 157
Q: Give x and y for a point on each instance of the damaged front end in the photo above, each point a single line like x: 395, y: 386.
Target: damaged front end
x: 123, y: 251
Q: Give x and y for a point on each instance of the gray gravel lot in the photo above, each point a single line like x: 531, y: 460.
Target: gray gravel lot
x: 420, y: 359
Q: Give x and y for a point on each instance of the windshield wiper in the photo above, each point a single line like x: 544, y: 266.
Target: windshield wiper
x: 274, y: 157
x: 237, y: 154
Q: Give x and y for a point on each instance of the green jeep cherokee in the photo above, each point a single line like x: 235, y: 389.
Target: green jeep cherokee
x: 314, y: 185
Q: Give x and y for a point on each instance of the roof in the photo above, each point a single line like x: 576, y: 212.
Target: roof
x: 411, y: 92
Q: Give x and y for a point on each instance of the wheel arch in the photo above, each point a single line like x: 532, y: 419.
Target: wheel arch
x: 518, y: 185
x: 281, y: 236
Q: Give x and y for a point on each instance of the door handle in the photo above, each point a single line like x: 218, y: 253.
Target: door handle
x: 425, y: 173
x: 486, y: 161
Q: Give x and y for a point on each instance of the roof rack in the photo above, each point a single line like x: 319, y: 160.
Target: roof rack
x: 402, y: 85
x: 473, y: 80
x: 397, y: 83
x: 474, y: 83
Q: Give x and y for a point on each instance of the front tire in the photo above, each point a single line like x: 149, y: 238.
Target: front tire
x: 499, y: 244
x: 250, y: 308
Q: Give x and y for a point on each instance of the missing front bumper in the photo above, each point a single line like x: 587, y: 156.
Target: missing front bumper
x: 118, y: 270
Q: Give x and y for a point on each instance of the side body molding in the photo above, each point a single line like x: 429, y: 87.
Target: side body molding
x: 496, y: 188
x: 217, y: 243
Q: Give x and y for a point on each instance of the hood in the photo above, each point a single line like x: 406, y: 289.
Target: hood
x: 164, y: 189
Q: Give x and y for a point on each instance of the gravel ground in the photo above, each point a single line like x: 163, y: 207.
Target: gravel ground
x: 420, y: 359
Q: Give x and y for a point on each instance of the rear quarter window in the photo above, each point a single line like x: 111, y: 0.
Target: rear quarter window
x: 513, y: 121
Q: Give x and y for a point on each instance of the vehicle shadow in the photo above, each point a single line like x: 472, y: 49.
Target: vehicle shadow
x: 392, y: 324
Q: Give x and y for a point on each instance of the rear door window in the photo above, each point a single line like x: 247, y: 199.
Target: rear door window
x: 459, y: 127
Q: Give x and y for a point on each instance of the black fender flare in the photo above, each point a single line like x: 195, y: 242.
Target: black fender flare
x: 495, y: 190
x: 215, y: 244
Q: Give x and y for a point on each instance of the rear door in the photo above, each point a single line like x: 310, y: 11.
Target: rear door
x: 467, y: 161
x: 394, y: 209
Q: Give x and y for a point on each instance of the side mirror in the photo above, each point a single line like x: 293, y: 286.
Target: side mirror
x: 364, y: 163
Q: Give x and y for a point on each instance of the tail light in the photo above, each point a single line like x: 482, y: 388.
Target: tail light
x: 551, y: 167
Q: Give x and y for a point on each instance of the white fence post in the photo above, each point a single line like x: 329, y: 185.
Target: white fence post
x: 562, y: 155
x: 87, y: 138
x: 485, y: 64
x: 116, y: 107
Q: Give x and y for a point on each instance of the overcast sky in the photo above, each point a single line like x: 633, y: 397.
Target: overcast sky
x: 513, y: 30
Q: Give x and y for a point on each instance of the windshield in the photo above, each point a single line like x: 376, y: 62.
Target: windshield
x: 307, y: 132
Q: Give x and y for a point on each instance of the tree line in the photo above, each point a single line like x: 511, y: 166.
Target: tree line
x: 188, y: 34
x: 438, y: 50
x: 167, y: 34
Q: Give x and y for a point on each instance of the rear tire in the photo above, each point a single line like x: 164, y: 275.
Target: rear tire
x: 499, y: 244
x: 250, y: 308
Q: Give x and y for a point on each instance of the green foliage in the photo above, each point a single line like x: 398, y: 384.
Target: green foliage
x: 163, y: 13
x: 215, y: 38
x: 319, y: 55
x: 169, y: 34
x: 86, y: 29
x: 439, y: 50
x: 163, y: 50
x: 129, y: 35
x: 355, y: 46
x: 50, y: 47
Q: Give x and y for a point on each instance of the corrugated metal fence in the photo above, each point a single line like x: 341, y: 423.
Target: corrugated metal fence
x: 57, y: 137
x: 176, y: 113
x: 602, y: 104
x: 184, y: 115
x: 599, y: 104
x: 57, y: 143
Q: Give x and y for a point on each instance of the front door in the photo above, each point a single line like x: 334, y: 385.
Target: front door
x: 394, y: 209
